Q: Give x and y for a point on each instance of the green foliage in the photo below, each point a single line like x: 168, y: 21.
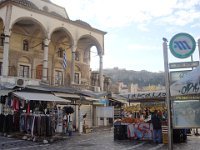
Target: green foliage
x: 68, y: 110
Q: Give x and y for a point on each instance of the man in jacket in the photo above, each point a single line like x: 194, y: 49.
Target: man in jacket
x: 157, y: 133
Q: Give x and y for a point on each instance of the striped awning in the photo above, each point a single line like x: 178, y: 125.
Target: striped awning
x: 39, y: 97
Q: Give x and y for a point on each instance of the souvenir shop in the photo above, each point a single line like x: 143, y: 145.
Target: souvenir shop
x: 28, y: 113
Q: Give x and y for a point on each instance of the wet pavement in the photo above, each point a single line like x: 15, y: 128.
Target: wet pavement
x: 97, y: 140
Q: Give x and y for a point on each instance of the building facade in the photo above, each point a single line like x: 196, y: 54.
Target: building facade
x: 39, y: 44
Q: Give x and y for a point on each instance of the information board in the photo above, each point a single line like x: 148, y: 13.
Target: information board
x: 186, y: 114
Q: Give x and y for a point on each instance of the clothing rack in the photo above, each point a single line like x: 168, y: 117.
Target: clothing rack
x: 37, y: 124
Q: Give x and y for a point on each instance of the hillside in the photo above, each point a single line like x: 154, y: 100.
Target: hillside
x: 142, y: 78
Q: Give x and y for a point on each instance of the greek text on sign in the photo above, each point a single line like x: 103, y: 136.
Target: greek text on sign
x: 146, y: 95
x: 182, y: 45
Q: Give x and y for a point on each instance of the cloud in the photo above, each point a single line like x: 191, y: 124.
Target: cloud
x: 122, y: 13
x: 196, y: 25
x: 146, y: 22
x: 142, y: 48
x: 143, y: 27
x: 181, y: 17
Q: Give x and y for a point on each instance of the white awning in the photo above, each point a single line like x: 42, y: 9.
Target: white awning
x: 4, y: 92
x: 66, y: 95
x: 39, y: 97
x: 76, y: 96
x: 91, y: 98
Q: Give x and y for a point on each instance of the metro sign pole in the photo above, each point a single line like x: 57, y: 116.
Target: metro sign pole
x: 182, y: 45
x: 167, y: 100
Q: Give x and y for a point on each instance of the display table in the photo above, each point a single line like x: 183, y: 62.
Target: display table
x: 139, y: 131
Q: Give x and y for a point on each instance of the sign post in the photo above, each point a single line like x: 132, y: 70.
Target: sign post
x: 182, y: 45
x: 168, y: 102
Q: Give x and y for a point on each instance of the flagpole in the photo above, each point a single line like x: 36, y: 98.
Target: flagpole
x: 64, y: 64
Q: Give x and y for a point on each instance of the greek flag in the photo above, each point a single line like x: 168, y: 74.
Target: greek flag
x: 64, y: 60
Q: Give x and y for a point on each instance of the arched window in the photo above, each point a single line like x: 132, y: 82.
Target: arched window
x: 2, y: 39
x: 58, y: 78
x: 76, y: 78
x: 60, y: 52
x: 25, y: 45
x: 24, y: 71
x: 77, y: 56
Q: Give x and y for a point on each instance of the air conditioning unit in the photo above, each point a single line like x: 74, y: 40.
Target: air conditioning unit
x: 20, y: 82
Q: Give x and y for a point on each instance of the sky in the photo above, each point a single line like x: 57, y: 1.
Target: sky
x: 135, y: 29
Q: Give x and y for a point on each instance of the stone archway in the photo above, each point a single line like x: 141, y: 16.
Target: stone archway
x: 60, y: 43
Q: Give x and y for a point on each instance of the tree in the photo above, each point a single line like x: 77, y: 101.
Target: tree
x: 68, y: 110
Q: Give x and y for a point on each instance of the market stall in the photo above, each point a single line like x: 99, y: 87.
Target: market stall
x: 136, y: 121
x: 31, y: 114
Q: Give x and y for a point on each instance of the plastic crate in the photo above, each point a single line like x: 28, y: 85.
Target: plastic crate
x: 165, y: 138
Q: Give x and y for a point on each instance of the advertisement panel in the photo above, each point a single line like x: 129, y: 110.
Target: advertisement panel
x: 186, y: 114
x: 177, y: 75
x: 105, y: 112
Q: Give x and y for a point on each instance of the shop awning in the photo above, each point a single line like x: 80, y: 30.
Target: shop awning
x: 39, y: 97
x: 66, y: 95
x: 145, y: 96
x: 93, y: 94
x: 4, y: 92
x: 76, y: 96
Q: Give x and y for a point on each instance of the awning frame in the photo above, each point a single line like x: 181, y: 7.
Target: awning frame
x: 31, y: 96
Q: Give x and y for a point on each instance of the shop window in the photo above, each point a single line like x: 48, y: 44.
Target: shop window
x: 77, y: 78
x: 24, y: 71
x: 2, y: 39
x: 60, y: 52
x: 25, y: 45
x: 58, y: 77
x: 77, y: 56
x: 1, y: 68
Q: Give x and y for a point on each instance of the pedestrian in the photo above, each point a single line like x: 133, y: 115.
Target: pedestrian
x: 157, y: 121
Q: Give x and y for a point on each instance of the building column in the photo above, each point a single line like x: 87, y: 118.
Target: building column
x: 73, y: 64
x: 105, y: 122
x: 101, y: 71
x: 45, y: 61
x: 6, y: 47
x: 6, y: 56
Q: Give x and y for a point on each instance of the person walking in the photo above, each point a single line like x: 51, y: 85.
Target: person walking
x: 157, y: 132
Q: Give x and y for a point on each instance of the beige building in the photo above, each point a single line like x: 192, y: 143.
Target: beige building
x: 35, y: 35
